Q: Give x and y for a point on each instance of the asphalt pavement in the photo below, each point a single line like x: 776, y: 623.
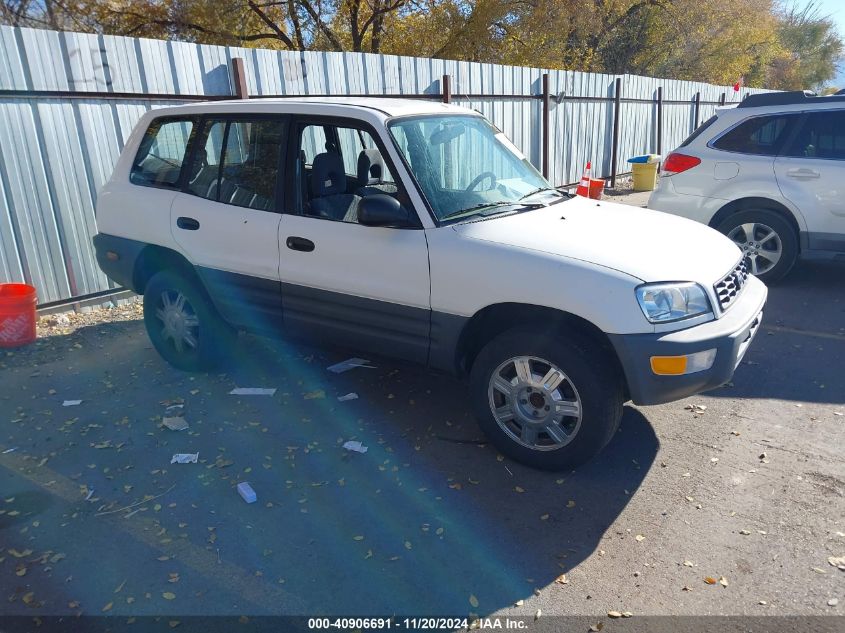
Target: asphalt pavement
x: 726, y: 503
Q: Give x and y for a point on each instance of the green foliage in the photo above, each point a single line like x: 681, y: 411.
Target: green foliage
x: 769, y: 44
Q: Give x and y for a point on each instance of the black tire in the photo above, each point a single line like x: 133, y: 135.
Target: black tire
x: 212, y: 335
x: 589, y: 370
x: 785, y: 235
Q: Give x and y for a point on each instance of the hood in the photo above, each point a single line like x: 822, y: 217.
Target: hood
x: 649, y: 245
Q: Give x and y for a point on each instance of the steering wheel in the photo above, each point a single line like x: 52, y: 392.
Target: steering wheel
x: 480, y: 177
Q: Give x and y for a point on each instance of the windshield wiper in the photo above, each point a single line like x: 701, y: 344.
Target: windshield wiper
x: 539, y: 190
x: 477, y: 209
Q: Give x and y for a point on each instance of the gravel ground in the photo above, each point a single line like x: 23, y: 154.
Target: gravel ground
x: 742, y: 486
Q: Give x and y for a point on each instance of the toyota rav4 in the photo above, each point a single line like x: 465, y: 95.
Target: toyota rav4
x: 419, y: 231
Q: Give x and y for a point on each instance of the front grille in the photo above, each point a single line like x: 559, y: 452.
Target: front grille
x: 728, y: 288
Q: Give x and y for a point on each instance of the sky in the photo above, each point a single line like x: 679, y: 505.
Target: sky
x: 836, y: 10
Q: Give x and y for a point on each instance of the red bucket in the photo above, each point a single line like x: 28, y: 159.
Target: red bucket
x: 17, y: 314
x: 590, y: 188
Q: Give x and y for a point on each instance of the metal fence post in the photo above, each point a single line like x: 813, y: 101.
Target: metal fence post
x: 660, y: 120
x: 614, y: 152
x: 722, y: 99
x: 239, y: 78
x: 546, y: 130
x: 697, y: 110
x: 446, y: 89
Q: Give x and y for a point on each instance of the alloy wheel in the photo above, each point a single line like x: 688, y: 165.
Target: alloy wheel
x: 535, y: 403
x: 760, y: 244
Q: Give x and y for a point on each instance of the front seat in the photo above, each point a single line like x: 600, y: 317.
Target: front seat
x: 371, y: 174
x: 328, y: 189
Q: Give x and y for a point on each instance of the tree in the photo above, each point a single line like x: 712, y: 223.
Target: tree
x: 810, y: 49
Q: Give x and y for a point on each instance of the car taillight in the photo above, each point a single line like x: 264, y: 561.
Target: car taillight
x: 676, y: 163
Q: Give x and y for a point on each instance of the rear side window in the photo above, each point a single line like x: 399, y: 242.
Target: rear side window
x: 161, y: 153
x: 762, y: 135
x: 822, y: 135
x: 237, y: 162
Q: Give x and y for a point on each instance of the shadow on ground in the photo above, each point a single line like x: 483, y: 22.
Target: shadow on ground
x: 430, y: 520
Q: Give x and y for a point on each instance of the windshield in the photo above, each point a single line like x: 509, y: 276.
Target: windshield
x: 465, y: 166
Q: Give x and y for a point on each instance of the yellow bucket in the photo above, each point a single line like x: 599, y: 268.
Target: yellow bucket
x: 645, y: 176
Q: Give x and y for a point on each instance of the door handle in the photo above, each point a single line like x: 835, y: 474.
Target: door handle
x: 299, y: 244
x: 189, y: 224
x: 803, y: 174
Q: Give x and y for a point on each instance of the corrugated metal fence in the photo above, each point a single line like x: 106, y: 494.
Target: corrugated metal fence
x: 69, y: 100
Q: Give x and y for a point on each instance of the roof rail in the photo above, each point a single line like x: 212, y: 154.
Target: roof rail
x: 794, y: 97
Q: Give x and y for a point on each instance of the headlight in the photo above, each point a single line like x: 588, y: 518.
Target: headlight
x: 667, y: 302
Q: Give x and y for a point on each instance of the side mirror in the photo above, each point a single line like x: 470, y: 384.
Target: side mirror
x: 382, y: 210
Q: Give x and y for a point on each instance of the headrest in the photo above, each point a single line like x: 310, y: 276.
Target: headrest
x: 370, y: 167
x: 328, y: 177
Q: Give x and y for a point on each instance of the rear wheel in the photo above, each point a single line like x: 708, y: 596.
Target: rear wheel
x: 545, y: 401
x: 182, y: 324
x: 767, y: 240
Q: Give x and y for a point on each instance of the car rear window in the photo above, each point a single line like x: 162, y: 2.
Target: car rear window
x: 699, y: 130
x: 161, y: 153
x: 761, y: 135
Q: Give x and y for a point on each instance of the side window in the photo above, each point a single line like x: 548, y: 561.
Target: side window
x: 762, y: 135
x: 237, y: 162
x: 336, y: 167
x: 313, y: 142
x: 822, y: 135
x: 161, y: 153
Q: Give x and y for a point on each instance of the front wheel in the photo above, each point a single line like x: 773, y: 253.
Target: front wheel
x: 182, y: 324
x: 544, y: 400
x: 768, y: 242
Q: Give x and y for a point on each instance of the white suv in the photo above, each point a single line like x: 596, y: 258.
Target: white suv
x: 417, y: 230
x: 769, y: 174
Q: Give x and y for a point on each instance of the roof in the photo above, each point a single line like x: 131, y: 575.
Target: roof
x: 385, y: 105
x: 795, y: 97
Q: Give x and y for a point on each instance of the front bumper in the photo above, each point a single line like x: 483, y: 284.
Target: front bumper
x: 730, y: 336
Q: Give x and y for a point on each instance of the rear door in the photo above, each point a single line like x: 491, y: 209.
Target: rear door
x: 226, y: 219
x: 357, y: 286
x: 811, y: 174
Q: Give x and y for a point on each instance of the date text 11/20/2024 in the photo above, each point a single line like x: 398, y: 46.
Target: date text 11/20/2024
x: 425, y: 623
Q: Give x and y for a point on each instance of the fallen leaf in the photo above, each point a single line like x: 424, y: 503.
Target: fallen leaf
x: 28, y: 552
x: 538, y: 614
x: 20, y: 570
x: 562, y: 580
x: 473, y: 601
x: 744, y: 532
x: 108, y: 607
x: 710, y: 580
x: 315, y: 395
x: 73, y: 604
x: 598, y: 626
x: 640, y: 538
x: 689, y: 563
x: 28, y: 598
x: 519, y: 489
x: 168, y: 595
x: 408, y: 545
x: 723, y: 581
x: 120, y: 587
x: 570, y: 504
x: 544, y: 517
x: 519, y: 603
x: 614, y: 614
x: 358, y: 538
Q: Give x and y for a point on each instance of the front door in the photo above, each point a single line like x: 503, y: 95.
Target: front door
x: 227, y: 218
x: 811, y: 174
x: 358, y: 286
